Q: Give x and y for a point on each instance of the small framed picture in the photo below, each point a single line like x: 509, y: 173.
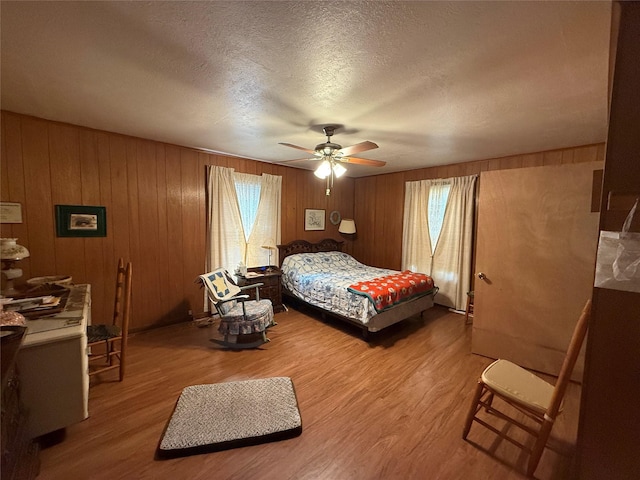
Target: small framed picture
x: 81, y: 221
x: 313, y: 219
x: 10, y: 212
x: 335, y: 217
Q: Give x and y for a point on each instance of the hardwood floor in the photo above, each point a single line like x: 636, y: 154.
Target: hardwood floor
x: 392, y: 408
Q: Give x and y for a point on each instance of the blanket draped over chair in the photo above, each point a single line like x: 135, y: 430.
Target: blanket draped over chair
x: 392, y: 289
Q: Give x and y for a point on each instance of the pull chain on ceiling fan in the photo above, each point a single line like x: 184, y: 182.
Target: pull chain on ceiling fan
x: 333, y: 156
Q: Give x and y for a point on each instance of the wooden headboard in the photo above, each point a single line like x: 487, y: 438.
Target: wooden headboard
x: 302, y: 246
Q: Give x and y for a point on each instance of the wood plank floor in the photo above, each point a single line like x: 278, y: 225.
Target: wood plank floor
x: 392, y: 408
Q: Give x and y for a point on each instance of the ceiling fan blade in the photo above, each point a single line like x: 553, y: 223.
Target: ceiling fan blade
x: 357, y: 148
x: 305, y: 159
x: 363, y: 161
x: 299, y: 148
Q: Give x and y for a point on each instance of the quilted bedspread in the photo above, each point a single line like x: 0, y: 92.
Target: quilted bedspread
x: 389, y: 290
x: 323, y: 279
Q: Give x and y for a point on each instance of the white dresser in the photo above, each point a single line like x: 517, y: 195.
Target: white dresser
x: 52, y: 364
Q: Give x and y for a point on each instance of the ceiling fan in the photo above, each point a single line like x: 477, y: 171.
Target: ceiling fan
x: 333, y: 156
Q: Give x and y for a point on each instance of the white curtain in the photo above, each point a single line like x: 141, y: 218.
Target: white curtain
x: 416, y: 243
x: 266, y: 229
x: 449, y: 261
x: 228, y: 243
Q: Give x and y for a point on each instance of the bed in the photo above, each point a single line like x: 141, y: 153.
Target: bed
x: 324, y: 277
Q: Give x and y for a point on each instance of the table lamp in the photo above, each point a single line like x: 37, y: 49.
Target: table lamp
x: 348, y: 226
x: 269, y: 247
x: 10, y: 253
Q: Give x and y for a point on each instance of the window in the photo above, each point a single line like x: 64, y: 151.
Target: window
x: 437, y: 206
x: 438, y: 213
x: 243, y: 215
x: 248, y: 189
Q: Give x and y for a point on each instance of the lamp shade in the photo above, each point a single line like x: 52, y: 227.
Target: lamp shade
x: 324, y: 170
x: 10, y: 250
x: 347, y: 225
x: 338, y: 170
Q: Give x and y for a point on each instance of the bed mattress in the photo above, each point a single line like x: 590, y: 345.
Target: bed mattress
x: 322, y: 279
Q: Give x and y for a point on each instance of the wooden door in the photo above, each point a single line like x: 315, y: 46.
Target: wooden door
x: 536, y: 247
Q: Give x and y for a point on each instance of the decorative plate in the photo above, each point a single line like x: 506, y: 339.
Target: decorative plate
x: 334, y: 217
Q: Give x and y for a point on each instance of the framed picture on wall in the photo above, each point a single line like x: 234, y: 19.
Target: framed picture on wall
x: 313, y: 219
x: 81, y: 221
x: 10, y: 212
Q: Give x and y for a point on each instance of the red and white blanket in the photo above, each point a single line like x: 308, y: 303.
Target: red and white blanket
x: 392, y: 289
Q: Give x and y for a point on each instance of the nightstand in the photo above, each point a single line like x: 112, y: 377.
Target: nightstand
x: 271, y: 288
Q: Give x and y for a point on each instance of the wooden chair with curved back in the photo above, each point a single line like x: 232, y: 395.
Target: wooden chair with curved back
x: 527, y: 393
x: 107, y: 342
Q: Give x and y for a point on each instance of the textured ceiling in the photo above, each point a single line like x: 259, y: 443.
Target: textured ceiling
x: 431, y: 83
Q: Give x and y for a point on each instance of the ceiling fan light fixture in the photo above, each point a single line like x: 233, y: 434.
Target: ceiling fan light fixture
x: 338, y: 170
x: 324, y: 170
x: 327, y: 149
x: 332, y: 155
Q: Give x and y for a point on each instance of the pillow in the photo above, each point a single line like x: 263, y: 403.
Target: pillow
x: 226, y: 307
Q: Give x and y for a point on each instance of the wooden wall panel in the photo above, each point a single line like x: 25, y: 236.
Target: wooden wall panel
x: 191, y: 240
x: 289, y: 207
x: 133, y: 212
x: 104, y: 279
x: 365, y: 217
x: 38, y: 210
x: 66, y: 189
x: 154, y: 194
x: 4, y: 171
x: 392, y: 215
x: 148, y: 225
x: 177, y: 300
x: 162, y: 241
x: 379, y: 200
x: 609, y: 430
x: 155, y: 199
x: 119, y: 207
x: 90, y: 184
x: 12, y: 171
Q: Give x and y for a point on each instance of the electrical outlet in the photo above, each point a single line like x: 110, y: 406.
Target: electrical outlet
x: 191, y: 313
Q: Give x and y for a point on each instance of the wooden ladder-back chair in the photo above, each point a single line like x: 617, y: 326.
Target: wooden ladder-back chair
x: 108, y: 342
x: 529, y: 394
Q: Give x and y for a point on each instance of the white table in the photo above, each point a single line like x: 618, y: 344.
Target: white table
x: 53, y: 366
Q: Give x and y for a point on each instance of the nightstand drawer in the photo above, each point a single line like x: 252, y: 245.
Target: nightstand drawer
x: 269, y: 292
x: 270, y: 289
x: 265, y: 292
x: 270, y: 280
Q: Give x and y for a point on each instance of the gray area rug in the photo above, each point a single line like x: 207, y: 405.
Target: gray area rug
x: 216, y: 417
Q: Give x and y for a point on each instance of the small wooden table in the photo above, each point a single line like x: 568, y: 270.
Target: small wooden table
x: 271, y: 288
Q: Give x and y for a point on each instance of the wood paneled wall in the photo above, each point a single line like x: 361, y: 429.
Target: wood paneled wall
x: 154, y: 194
x: 155, y: 198
x: 609, y: 431
x: 379, y: 204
